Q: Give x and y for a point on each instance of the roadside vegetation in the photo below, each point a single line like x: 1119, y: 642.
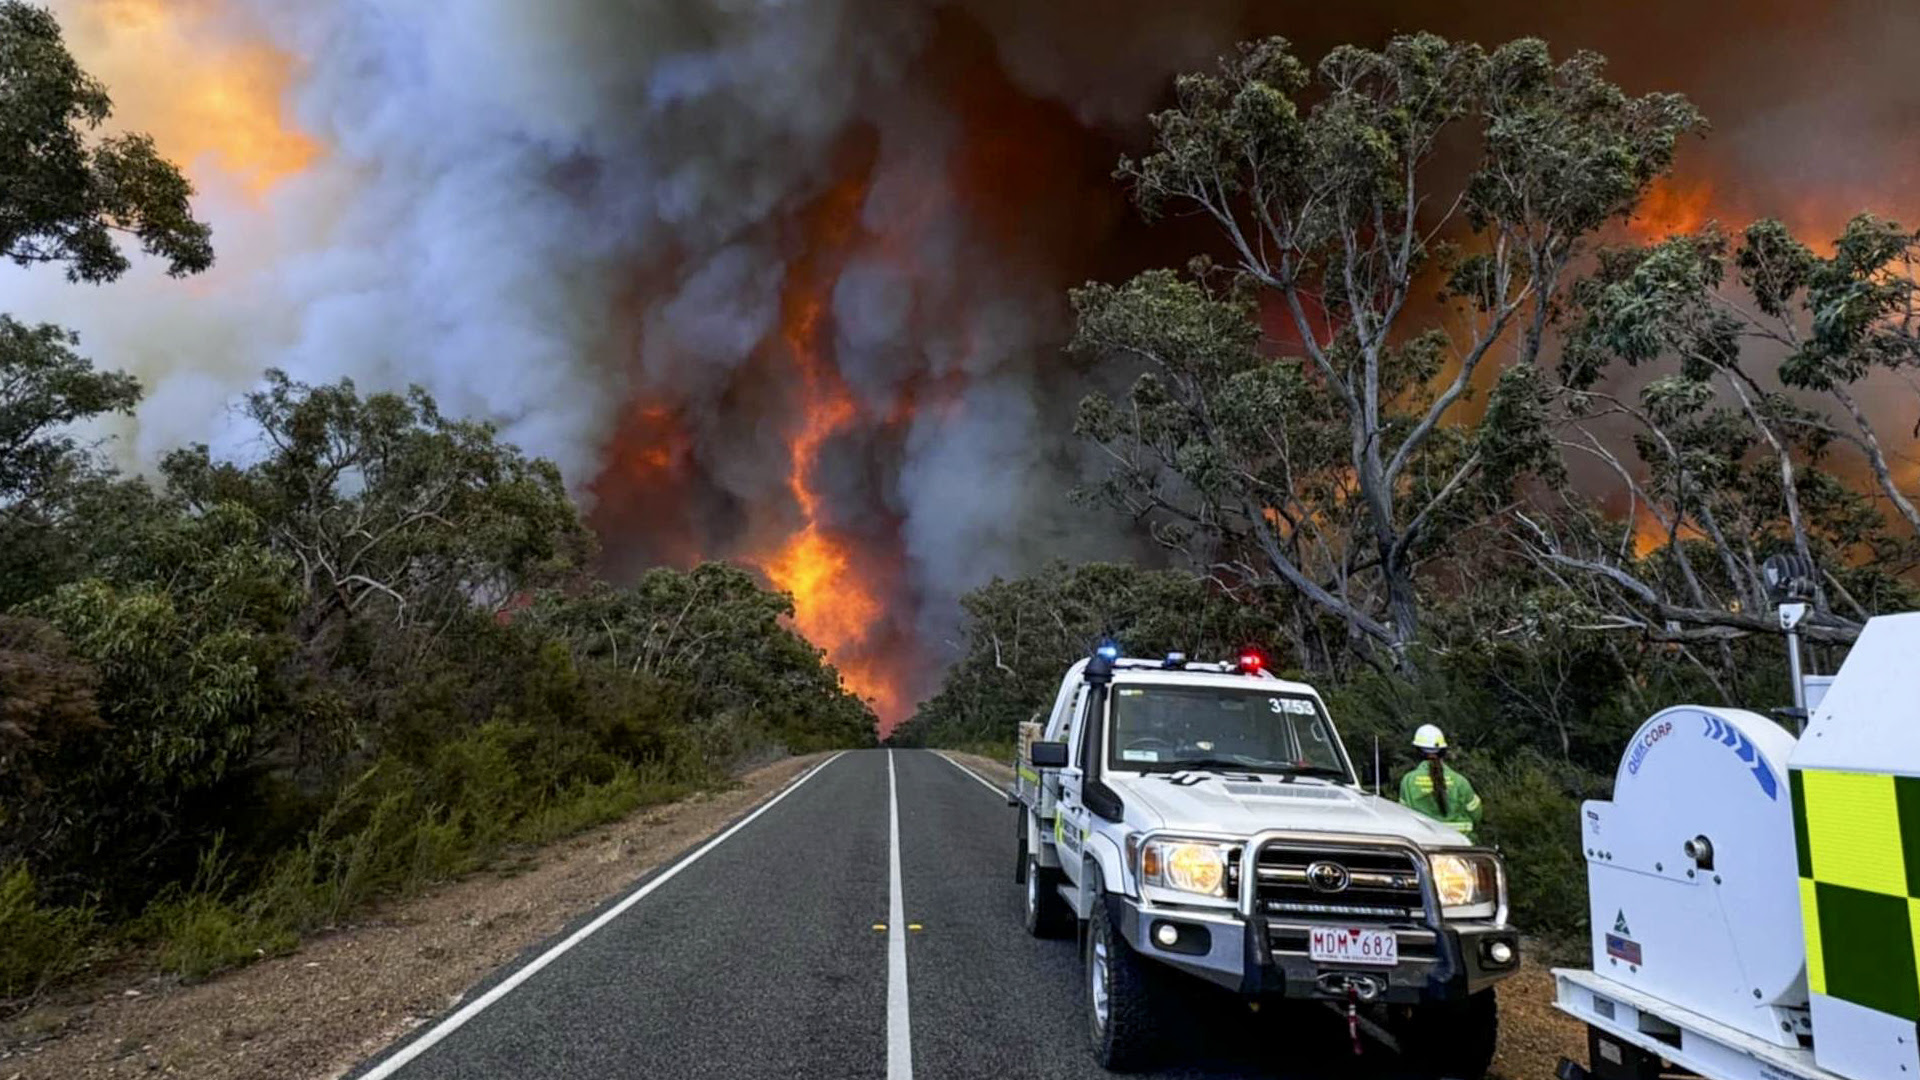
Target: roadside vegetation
x: 1427, y: 422
x: 241, y: 699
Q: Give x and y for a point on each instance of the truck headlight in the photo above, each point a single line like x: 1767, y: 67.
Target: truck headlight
x: 1467, y: 885
x: 1187, y: 865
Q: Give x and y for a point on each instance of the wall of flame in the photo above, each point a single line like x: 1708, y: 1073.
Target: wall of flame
x: 1033, y: 107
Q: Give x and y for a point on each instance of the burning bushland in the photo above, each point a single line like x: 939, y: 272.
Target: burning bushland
x: 787, y: 285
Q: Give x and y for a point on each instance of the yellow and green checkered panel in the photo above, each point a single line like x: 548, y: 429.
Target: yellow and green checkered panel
x: 1858, y: 840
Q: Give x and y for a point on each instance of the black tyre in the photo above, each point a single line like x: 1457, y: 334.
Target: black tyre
x: 1048, y: 916
x: 1454, y: 1042
x: 1122, y: 1015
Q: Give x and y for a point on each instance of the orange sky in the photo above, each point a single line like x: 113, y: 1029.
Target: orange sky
x: 212, y: 97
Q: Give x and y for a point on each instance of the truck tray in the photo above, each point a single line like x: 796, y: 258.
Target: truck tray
x: 1685, y: 1038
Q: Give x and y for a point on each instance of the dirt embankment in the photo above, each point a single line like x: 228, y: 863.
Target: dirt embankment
x: 1534, y: 1036
x: 344, y: 995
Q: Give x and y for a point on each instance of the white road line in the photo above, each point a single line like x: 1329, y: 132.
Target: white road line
x: 899, y: 1030
x: 453, y: 1023
x: 990, y: 785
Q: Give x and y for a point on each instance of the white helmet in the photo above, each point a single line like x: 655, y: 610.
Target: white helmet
x: 1429, y: 738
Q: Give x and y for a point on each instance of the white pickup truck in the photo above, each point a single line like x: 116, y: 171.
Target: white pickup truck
x: 1156, y: 784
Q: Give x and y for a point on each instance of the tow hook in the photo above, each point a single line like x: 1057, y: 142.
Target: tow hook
x: 1360, y: 989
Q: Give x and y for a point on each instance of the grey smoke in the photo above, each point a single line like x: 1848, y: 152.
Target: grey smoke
x: 541, y: 211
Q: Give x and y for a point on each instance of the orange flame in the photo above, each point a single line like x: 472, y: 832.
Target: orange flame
x: 1673, y: 207
x: 835, y: 606
x: 210, y: 99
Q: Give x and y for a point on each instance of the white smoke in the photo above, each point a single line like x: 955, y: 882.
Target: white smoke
x: 493, y: 171
x: 540, y: 212
x: 543, y: 211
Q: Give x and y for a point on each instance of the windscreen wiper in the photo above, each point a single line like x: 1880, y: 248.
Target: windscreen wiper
x: 1331, y: 772
x: 1209, y: 764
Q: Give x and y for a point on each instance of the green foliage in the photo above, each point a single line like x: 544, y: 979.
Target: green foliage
x: 46, y: 474
x: 198, y: 931
x: 1340, y: 473
x: 38, y: 944
x: 1533, y: 817
x: 387, y: 507
x: 63, y: 199
x: 716, y: 631
x: 369, y: 661
x: 1746, y: 439
x: 244, y: 704
x: 182, y: 665
x: 1858, y: 302
x: 44, y: 387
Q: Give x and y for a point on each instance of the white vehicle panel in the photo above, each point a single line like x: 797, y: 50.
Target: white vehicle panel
x: 1725, y: 940
x: 1216, y: 804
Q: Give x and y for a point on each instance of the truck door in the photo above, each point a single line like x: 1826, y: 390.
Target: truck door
x: 1059, y: 729
x: 1071, y: 818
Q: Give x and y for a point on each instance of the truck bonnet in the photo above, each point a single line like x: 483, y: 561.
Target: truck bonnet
x: 1244, y: 804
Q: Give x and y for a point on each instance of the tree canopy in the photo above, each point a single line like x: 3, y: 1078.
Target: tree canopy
x: 1765, y: 427
x: 64, y: 194
x: 1336, y: 458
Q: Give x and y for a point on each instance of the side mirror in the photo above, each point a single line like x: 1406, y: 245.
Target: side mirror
x: 1047, y: 755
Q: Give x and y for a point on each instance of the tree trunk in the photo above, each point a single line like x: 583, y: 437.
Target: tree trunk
x: 1403, y: 610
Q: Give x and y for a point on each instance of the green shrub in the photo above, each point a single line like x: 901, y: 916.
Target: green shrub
x: 402, y: 827
x: 201, y: 935
x: 1533, y: 816
x: 585, y: 805
x: 38, y: 944
x: 219, y: 749
x: 199, y: 931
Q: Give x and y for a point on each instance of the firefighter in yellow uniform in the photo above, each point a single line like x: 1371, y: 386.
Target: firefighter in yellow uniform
x: 1435, y: 789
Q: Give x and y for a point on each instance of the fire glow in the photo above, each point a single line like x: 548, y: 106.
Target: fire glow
x: 730, y: 355
x: 211, y: 101
x: 834, y: 604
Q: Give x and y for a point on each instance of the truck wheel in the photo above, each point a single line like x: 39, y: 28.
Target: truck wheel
x: 1047, y: 913
x: 1121, y: 1011
x: 1453, y: 1041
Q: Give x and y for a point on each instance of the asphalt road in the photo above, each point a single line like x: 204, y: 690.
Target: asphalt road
x: 775, y: 950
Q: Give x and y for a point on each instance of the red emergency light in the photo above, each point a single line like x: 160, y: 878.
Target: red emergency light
x: 1251, y: 660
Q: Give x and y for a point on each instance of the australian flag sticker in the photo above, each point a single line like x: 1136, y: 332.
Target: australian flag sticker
x: 1621, y: 948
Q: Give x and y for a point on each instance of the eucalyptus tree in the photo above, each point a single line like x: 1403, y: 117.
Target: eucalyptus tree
x: 1355, y: 383
x: 1777, y: 421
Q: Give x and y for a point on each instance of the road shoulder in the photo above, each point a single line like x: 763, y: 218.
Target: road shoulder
x: 997, y: 773
x: 343, y: 996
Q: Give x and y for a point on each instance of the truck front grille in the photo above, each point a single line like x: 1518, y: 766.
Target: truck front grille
x: 1301, y: 882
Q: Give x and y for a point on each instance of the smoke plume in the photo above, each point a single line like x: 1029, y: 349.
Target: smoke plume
x: 783, y: 282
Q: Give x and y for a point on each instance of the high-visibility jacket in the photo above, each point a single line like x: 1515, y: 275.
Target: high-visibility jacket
x: 1463, y: 805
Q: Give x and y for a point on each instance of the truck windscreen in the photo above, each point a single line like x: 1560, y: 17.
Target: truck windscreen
x: 1166, y: 728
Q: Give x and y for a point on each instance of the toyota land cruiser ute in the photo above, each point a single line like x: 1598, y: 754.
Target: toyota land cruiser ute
x: 1204, y: 821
